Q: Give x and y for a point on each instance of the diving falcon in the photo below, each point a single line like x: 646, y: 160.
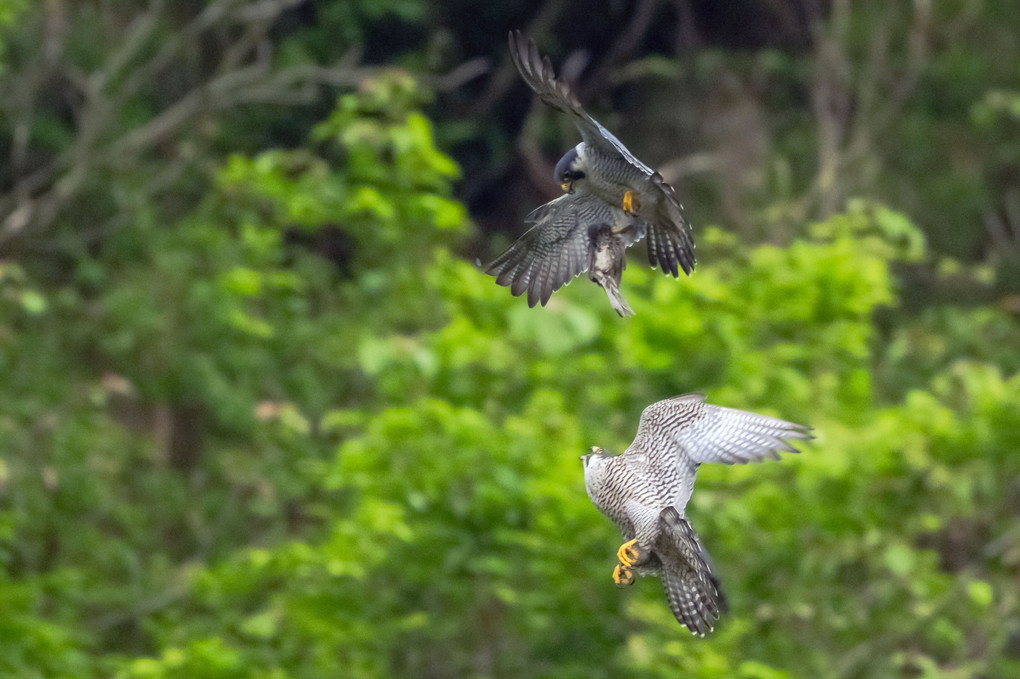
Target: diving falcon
x: 604, y: 184
x: 645, y: 492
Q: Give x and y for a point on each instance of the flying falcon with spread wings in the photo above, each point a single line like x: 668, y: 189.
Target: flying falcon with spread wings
x: 645, y: 492
x: 605, y: 185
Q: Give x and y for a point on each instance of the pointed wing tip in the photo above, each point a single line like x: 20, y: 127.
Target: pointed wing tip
x: 799, y: 432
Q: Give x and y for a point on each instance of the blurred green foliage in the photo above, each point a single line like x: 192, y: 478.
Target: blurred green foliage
x: 226, y: 453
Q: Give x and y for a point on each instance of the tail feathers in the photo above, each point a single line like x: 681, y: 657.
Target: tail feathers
x: 670, y: 245
x: 693, y: 591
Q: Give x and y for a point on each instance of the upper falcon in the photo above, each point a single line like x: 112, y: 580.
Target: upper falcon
x: 604, y: 184
x: 645, y: 492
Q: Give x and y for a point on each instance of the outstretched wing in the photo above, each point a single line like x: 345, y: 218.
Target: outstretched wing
x: 554, y: 250
x: 538, y: 73
x: 687, y: 427
x: 693, y: 592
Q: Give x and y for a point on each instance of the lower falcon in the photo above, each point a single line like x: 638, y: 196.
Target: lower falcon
x: 645, y: 492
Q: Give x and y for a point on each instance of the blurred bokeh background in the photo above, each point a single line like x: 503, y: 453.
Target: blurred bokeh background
x: 261, y: 414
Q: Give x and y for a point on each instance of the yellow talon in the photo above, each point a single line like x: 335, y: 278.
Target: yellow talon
x: 631, y: 204
x: 622, y: 576
x: 628, y: 553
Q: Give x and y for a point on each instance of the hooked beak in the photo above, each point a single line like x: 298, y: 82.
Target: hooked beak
x: 567, y: 186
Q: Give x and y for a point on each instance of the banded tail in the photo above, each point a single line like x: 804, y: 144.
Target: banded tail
x: 693, y: 592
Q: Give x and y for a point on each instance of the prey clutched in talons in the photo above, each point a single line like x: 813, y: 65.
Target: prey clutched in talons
x: 623, y: 576
x: 631, y: 204
x: 607, y: 247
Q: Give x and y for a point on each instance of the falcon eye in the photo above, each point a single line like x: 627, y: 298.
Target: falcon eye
x: 568, y: 178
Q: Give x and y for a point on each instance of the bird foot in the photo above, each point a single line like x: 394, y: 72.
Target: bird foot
x: 623, y: 576
x: 631, y: 204
x: 629, y: 553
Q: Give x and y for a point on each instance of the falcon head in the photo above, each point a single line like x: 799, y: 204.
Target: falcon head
x: 570, y: 168
x: 594, y: 458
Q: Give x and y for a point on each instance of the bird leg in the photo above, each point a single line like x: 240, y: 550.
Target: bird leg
x: 631, y: 204
x: 623, y: 576
x: 629, y: 553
